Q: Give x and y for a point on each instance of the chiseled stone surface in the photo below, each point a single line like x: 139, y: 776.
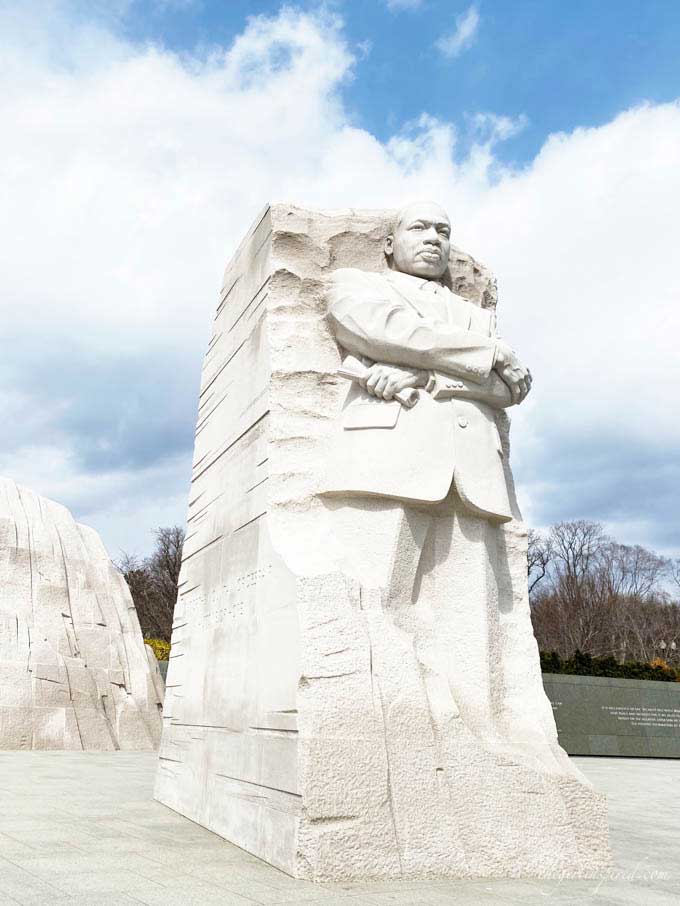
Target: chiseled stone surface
x: 74, y: 670
x: 354, y: 688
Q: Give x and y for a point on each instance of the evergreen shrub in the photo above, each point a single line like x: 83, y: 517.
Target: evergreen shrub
x: 580, y: 664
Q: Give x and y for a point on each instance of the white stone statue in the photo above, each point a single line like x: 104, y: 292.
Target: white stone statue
x: 74, y: 670
x: 354, y: 688
x: 411, y: 331
x: 438, y: 557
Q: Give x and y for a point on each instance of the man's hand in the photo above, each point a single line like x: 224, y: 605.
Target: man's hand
x: 384, y: 381
x: 512, y: 372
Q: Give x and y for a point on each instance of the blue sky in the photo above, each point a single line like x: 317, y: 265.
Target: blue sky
x: 141, y: 139
x: 558, y: 64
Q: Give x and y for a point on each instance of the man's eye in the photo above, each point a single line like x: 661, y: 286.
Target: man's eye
x: 417, y: 226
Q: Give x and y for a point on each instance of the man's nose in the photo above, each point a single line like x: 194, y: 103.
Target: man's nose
x: 432, y: 237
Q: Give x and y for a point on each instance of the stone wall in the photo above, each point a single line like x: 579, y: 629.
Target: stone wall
x: 599, y: 715
x: 74, y: 670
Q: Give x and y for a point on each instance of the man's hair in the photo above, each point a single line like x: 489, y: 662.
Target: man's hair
x: 398, y: 217
x: 399, y: 214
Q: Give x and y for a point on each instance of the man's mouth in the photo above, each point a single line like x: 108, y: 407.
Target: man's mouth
x: 430, y: 254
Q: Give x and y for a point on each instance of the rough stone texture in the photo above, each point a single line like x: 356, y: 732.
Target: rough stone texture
x: 74, y: 670
x: 310, y: 717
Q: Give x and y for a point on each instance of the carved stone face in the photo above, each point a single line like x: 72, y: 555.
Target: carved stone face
x: 421, y: 241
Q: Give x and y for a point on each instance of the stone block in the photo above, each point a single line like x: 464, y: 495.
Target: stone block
x: 354, y: 688
x: 69, y: 674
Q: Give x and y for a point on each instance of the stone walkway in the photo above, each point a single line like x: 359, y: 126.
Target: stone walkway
x: 82, y: 828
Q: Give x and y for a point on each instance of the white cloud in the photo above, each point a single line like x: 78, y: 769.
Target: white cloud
x: 124, y: 505
x: 399, y: 5
x: 453, y: 44
x: 494, y: 128
x: 130, y: 174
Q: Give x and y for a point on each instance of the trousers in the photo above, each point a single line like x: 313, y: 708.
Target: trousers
x: 452, y: 588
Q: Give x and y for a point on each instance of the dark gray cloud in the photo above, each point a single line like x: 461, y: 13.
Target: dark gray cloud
x: 615, y: 478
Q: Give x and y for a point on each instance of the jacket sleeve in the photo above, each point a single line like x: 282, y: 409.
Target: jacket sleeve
x: 369, y: 319
x: 493, y: 391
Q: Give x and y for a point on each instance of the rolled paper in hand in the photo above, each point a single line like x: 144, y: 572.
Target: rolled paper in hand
x: 354, y: 370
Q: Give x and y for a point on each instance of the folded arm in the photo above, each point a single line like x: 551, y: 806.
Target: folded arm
x: 493, y: 391
x: 391, y: 332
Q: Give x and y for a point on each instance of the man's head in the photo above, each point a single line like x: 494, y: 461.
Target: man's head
x: 420, y: 241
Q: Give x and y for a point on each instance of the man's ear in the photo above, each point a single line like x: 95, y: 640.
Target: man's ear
x: 389, y: 245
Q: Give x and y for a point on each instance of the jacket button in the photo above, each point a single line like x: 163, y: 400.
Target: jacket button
x: 459, y: 385
x: 462, y: 421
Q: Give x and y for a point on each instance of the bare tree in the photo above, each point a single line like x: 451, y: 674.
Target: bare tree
x: 673, y: 571
x: 576, y: 545
x: 604, y: 598
x: 539, y: 555
x: 632, y: 572
x: 165, y: 563
x: 153, y: 582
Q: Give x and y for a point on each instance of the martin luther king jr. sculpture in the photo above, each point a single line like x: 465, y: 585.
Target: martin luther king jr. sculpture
x: 410, y: 331
x: 435, y: 457
x: 354, y: 688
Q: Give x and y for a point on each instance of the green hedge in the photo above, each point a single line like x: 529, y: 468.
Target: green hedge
x: 578, y: 664
x: 584, y: 665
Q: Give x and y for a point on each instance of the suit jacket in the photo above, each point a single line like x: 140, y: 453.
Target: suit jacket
x: 382, y: 449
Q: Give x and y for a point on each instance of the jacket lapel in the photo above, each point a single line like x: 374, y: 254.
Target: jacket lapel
x: 409, y: 290
x: 458, y: 311
x: 440, y: 304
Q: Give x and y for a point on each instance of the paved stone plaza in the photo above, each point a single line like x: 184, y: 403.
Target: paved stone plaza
x: 82, y: 828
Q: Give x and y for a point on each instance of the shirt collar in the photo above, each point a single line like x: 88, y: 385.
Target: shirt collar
x: 400, y: 276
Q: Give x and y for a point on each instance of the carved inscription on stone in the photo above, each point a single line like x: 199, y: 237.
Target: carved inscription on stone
x: 644, y: 717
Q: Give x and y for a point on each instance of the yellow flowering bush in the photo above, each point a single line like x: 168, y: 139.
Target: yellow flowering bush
x: 160, y: 648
